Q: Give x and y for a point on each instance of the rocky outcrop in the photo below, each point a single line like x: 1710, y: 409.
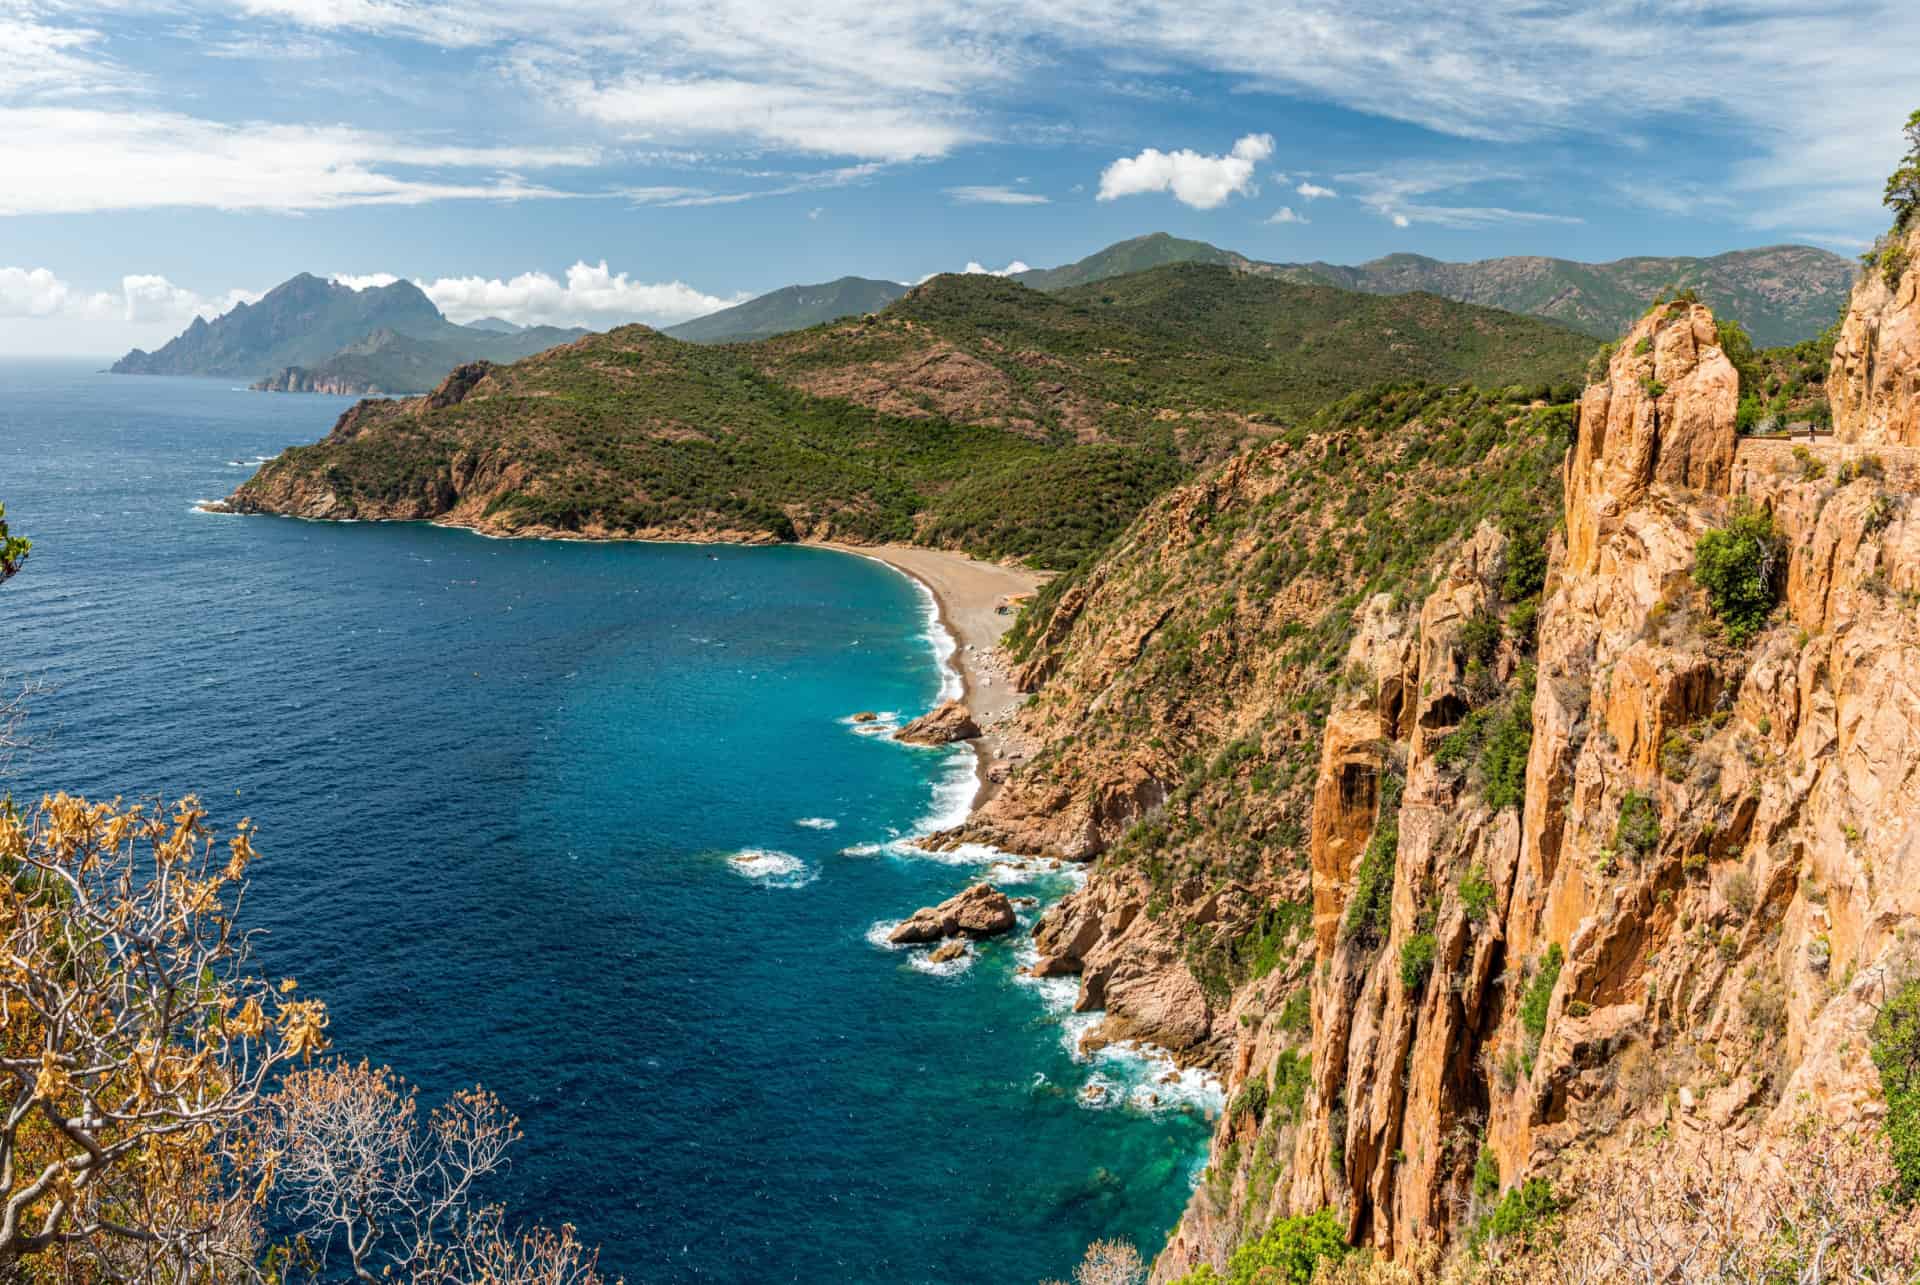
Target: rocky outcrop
x: 1709, y: 871
x: 946, y: 723
x: 299, y: 379
x: 1874, y: 382
x: 981, y: 911
x: 1572, y: 872
x: 1662, y: 415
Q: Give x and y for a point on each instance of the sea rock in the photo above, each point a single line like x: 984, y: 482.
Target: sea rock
x: 949, y: 950
x: 981, y: 911
x: 950, y: 722
x: 866, y: 716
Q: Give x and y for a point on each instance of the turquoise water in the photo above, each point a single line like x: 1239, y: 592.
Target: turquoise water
x: 504, y: 789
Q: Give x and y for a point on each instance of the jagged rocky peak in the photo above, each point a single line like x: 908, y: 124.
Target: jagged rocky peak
x: 1663, y: 412
x: 1874, y: 382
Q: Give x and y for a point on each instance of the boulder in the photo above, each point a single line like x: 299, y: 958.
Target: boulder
x: 981, y: 911
x: 866, y: 716
x: 948, y: 950
x: 951, y: 722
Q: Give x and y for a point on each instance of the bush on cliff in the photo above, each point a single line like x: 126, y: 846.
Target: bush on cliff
x: 1903, y: 185
x: 1290, y: 1252
x: 1738, y: 565
x: 1896, y: 1055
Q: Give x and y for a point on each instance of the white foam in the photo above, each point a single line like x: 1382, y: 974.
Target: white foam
x: 881, y: 930
x: 772, y: 868
x: 818, y: 823
x: 922, y: 961
x: 943, y: 643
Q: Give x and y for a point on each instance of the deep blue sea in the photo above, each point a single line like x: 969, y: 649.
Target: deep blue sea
x: 587, y: 824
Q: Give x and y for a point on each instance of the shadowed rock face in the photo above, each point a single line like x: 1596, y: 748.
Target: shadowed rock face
x: 1874, y: 382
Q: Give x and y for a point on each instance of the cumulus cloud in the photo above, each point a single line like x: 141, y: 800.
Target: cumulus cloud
x: 66, y: 160
x: 591, y: 295
x: 142, y: 299
x: 1314, y: 192
x: 1286, y: 214
x: 989, y: 195
x: 1195, y: 179
x: 976, y: 268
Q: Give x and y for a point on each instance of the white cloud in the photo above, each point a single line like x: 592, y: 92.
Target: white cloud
x: 143, y: 299
x: 1195, y: 179
x: 1285, y: 214
x: 591, y: 295
x: 807, y: 118
x: 1314, y: 192
x: 975, y: 268
x: 1398, y: 196
x: 989, y: 195
x: 65, y: 160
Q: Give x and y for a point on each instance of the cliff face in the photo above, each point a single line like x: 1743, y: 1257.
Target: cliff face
x: 1875, y: 382
x: 1581, y: 872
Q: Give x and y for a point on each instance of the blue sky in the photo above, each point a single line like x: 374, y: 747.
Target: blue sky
x: 601, y: 161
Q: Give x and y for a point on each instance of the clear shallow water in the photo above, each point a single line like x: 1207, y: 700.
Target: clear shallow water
x: 503, y: 791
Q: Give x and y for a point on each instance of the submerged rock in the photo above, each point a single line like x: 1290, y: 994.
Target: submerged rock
x: 951, y: 722
x: 981, y: 911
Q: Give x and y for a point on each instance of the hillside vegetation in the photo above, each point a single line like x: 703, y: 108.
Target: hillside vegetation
x: 974, y: 413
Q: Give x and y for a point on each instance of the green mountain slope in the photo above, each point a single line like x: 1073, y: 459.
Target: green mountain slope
x: 1782, y: 294
x: 387, y: 362
x: 1138, y: 254
x: 792, y: 308
x: 973, y: 413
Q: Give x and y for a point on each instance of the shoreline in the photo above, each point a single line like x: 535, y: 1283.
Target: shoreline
x: 965, y: 593
x: 964, y: 589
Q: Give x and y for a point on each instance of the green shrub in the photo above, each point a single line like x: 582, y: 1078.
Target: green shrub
x: 1372, y: 896
x: 1896, y: 1055
x: 1738, y: 565
x: 1476, y: 893
x: 1533, y: 1008
x: 1416, y: 960
x: 1480, y: 636
x: 1297, y: 1015
x: 1290, y: 1251
x: 1486, y: 1174
x: 1638, y: 828
x: 1521, y: 1215
x: 1292, y: 1073
x: 1252, y: 1099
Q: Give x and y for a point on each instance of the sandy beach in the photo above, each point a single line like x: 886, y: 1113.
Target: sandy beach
x: 968, y: 593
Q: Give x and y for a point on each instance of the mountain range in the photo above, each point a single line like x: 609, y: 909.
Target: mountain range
x: 1782, y: 294
x: 308, y: 335
x: 973, y: 412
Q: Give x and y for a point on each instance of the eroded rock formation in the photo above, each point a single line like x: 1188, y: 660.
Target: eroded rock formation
x: 1874, y: 384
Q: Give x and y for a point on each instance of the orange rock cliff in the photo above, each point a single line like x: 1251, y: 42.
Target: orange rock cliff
x: 1676, y: 903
